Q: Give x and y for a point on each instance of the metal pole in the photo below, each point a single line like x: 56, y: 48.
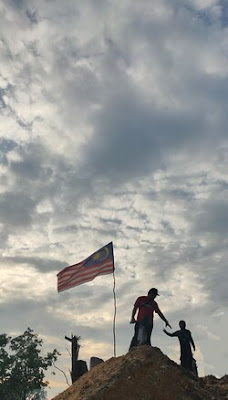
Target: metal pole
x: 114, y: 317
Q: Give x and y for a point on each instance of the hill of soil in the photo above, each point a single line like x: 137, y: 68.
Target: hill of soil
x: 144, y: 373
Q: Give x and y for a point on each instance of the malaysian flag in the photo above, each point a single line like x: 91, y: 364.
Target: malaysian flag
x: 99, y: 263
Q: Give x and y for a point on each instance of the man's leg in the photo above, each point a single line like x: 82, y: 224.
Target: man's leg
x: 149, y: 329
x: 186, y: 358
x: 134, y: 341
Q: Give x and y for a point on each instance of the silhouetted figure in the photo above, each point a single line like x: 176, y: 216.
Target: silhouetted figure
x: 146, y: 306
x: 186, y: 341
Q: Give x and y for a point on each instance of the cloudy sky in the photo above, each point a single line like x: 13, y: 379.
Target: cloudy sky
x: 114, y: 128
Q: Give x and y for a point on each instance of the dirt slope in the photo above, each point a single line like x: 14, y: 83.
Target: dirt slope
x: 144, y: 373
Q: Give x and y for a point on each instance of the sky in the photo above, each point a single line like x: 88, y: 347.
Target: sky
x: 114, y: 128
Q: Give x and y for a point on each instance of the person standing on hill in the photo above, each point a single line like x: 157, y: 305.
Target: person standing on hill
x: 146, y: 306
x: 186, y: 342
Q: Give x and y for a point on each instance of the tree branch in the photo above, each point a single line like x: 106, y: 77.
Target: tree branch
x: 62, y: 373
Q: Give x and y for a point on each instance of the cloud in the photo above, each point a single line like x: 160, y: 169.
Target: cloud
x: 39, y: 263
x: 16, y: 209
x: 113, y: 121
x: 213, y: 217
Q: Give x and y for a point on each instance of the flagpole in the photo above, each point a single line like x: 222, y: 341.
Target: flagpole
x: 114, y: 317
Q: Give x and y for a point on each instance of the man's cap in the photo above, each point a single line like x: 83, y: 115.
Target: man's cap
x: 153, y: 290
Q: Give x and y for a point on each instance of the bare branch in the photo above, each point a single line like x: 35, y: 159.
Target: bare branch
x: 62, y: 373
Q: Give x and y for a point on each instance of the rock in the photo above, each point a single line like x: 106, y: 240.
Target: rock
x: 80, y: 369
x: 95, y: 361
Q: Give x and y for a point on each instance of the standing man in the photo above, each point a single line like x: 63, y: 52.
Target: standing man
x: 186, y: 341
x: 146, y: 306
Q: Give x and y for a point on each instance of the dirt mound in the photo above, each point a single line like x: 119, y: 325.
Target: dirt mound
x: 144, y: 373
x: 219, y: 387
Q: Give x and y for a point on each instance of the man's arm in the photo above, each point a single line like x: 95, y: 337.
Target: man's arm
x: 133, y: 315
x: 169, y: 334
x: 158, y: 311
x: 192, y: 342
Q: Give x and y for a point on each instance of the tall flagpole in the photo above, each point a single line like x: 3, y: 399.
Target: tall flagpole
x: 114, y: 317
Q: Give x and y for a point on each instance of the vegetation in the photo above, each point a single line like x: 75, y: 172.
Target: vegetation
x: 22, y: 367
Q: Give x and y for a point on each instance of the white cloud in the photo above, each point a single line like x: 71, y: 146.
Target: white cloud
x: 201, y: 4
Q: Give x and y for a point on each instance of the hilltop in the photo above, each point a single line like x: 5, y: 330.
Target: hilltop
x: 144, y: 373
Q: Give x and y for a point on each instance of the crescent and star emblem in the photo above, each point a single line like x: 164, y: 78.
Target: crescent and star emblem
x: 102, y: 255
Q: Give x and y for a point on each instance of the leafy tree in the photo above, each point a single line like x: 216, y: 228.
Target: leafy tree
x: 40, y: 394
x: 22, y: 367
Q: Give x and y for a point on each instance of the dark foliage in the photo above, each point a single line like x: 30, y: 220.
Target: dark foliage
x: 22, y: 366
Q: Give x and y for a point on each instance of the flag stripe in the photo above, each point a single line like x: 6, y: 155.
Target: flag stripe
x: 70, y: 269
x: 84, y: 274
x: 69, y: 273
x: 76, y: 282
x: 99, y: 263
x: 83, y: 271
x: 89, y: 278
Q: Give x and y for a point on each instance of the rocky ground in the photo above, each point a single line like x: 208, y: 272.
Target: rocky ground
x: 144, y: 373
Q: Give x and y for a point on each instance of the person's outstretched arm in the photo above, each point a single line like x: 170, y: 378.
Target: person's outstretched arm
x: 170, y: 334
x: 158, y: 311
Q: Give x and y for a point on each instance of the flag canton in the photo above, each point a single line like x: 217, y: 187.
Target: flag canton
x: 100, y: 256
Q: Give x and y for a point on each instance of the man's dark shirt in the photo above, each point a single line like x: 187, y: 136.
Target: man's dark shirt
x: 185, y: 339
